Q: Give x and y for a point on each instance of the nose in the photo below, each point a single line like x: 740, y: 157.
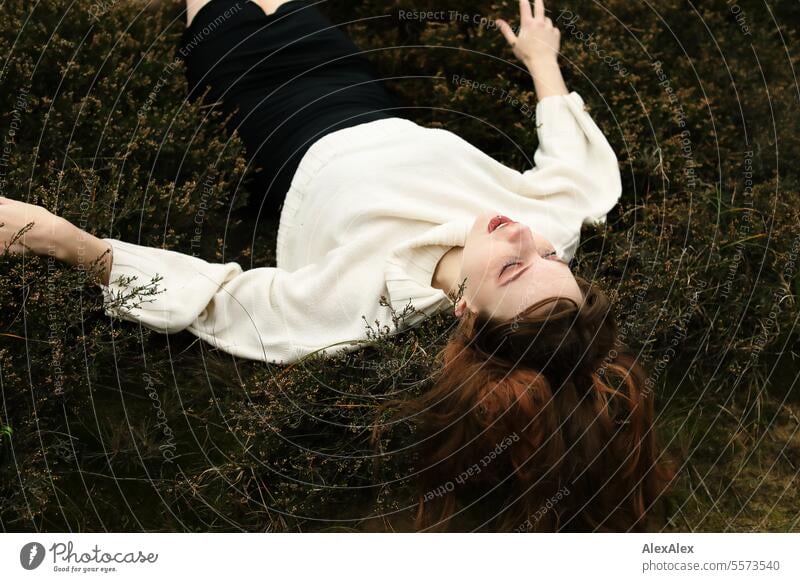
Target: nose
x: 521, y: 234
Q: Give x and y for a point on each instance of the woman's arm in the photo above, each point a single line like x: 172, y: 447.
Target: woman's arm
x: 34, y: 229
x: 537, y: 47
x: 266, y: 314
x: 576, y: 170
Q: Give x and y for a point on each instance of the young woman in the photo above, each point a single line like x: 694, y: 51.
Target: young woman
x: 375, y: 204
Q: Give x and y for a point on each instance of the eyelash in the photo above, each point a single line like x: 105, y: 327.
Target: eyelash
x: 510, y: 263
x: 516, y: 262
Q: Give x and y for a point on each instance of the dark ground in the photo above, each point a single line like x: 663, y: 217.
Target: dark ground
x: 111, y: 427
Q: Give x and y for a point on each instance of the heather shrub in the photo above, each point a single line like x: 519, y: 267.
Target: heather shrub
x: 105, y: 425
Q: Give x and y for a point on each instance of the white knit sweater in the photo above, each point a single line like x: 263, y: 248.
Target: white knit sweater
x: 370, y: 211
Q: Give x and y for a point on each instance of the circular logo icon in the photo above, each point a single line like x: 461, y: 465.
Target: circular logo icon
x: 31, y: 555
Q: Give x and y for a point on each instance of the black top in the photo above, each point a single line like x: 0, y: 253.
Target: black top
x: 288, y: 78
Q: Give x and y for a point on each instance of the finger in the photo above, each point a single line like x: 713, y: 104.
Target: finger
x: 505, y: 28
x: 548, y: 22
x: 525, y: 9
x: 538, y: 9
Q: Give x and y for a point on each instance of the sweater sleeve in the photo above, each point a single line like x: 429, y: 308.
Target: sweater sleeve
x: 575, y: 167
x: 266, y: 313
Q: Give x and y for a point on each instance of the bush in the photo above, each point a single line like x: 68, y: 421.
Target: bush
x: 109, y: 426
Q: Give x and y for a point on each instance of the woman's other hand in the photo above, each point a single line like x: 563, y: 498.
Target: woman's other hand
x: 28, y: 228
x: 34, y: 229
x: 538, y: 41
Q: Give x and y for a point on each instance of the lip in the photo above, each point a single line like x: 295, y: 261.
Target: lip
x: 496, y: 221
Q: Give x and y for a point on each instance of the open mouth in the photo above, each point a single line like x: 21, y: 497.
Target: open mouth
x: 498, y: 221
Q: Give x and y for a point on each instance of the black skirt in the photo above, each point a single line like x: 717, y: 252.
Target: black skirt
x: 286, y: 80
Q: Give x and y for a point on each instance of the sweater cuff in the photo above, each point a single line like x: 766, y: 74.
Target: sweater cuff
x: 128, y: 269
x: 555, y: 115
x: 185, y: 287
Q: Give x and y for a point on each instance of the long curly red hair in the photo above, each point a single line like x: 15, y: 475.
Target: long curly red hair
x: 542, y: 423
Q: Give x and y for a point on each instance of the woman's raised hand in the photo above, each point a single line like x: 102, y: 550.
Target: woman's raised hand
x: 538, y: 41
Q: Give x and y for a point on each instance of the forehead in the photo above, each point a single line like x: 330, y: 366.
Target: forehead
x: 520, y: 294
x: 510, y: 307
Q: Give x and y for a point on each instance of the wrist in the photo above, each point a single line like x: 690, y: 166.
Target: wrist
x: 547, y: 79
x: 62, y: 240
x: 80, y: 249
x: 540, y: 64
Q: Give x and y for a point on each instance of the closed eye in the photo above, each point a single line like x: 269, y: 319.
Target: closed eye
x: 507, y: 265
x: 551, y: 255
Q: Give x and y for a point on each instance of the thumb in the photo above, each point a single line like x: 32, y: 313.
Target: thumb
x: 505, y: 28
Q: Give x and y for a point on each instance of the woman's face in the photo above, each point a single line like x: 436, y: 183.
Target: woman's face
x: 508, y: 269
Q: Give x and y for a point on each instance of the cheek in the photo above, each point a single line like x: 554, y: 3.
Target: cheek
x: 477, y: 272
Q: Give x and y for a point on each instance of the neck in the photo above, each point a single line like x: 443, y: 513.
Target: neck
x: 448, y: 271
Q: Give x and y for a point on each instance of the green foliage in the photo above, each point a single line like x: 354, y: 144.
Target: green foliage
x: 119, y: 428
